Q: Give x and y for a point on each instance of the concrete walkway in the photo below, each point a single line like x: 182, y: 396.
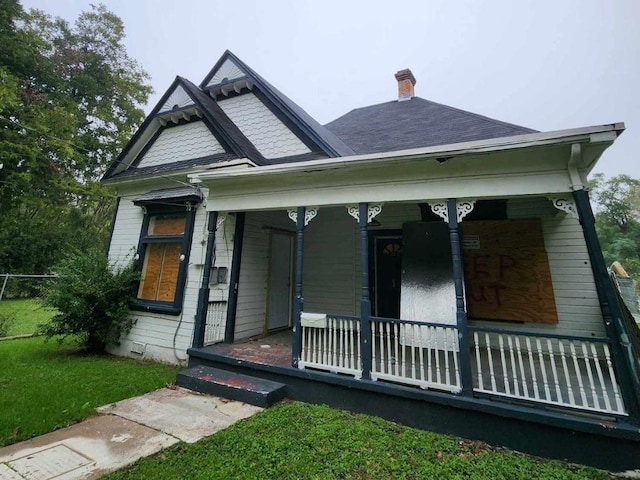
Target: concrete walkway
x: 120, y: 434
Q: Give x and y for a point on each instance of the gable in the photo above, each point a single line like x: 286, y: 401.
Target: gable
x: 227, y: 72
x: 182, y: 142
x: 179, y: 98
x: 262, y: 127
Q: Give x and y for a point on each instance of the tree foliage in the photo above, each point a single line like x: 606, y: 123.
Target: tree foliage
x: 70, y: 98
x: 617, y: 202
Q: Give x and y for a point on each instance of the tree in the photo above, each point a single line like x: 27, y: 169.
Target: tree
x: 70, y: 98
x: 617, y: 215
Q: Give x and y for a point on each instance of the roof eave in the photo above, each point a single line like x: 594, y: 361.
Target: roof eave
x: 594, y: 134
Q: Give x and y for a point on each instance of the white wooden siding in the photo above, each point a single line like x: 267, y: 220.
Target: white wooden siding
x: 270, y: 136
x: 330, y: 278
x: 252, y: 285
x: 165, y: 337
x: 182, y: 142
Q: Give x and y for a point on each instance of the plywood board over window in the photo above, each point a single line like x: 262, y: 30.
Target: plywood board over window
x: 507, y: 275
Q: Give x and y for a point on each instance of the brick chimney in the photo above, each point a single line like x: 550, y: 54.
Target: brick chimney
x: 406, y: 81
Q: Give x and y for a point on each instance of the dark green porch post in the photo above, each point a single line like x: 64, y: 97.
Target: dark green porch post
x: 203, y: 293
x: 461, y: 313
x: 298, y: 305
x: 365, y: 302
x: 234, y: 281
x: 611, y: 311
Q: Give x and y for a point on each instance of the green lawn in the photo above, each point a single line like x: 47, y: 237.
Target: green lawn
x: 27, y: 315
x: 45, y: 386
x: 301, y: 441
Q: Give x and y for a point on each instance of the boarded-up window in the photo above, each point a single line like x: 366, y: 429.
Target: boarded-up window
x: 161, y: 265
x: 506, y: 271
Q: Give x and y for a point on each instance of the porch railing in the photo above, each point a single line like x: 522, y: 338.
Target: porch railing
x: 332, y: 342
x: 415, y: 353
x: 566, y: 371
x: 555, y: 370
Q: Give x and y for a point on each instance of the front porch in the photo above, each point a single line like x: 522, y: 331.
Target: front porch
x: 596, y: 440
x: 322, y: 280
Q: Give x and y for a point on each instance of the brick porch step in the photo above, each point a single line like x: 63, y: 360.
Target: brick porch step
x: 234, y: 386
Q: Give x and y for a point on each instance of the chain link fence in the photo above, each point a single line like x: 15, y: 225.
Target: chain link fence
x: 21, y: 306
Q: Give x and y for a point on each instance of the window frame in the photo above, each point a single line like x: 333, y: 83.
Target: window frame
x: 152, y: 210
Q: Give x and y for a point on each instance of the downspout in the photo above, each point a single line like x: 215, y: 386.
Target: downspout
x: 203, y: 293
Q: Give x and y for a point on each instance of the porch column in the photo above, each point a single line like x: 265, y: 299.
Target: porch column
x: 461, y: 314
x: 203, y: 293
x: 611, y: 311
x: 298, y: 303
x: 236, y: 259
x: 365, y: 302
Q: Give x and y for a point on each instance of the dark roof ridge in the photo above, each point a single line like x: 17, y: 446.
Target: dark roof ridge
x: 229, y: 130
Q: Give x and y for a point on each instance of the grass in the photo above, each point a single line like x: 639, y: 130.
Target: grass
x: 300, y: 441
x: 27, y: 314
x: 45, y: 386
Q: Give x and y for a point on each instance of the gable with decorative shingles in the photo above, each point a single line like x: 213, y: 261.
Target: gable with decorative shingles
x: 271, y: 137
x: 182, y: 142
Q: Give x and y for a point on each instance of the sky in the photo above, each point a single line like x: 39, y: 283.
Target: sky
x: 543, y: 64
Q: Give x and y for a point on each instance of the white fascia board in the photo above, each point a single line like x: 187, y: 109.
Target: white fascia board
x: 601, y: 133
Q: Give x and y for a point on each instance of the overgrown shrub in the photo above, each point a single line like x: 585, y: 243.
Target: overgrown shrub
x: 92, y: 297
x: 6, y: 321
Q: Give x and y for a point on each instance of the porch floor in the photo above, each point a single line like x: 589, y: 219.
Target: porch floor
x: 274, y: 349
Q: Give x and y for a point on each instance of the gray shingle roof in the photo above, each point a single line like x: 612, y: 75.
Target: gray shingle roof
x: 415, y: 123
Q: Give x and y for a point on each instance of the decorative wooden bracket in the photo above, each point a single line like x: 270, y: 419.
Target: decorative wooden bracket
x: 439, y: 207
x: 566, y: 205
x: 309, y: 214
x: 463, y: 208
x: 373, y: 210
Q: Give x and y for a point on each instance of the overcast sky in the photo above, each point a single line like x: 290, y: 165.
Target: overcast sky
x: 543, y: 64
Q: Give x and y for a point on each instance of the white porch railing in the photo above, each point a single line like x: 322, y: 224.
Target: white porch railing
x: 573, y: 372
x: 216, y: 322
x: 565, y: 371
x: 333, y: 344
x: 415, y: 353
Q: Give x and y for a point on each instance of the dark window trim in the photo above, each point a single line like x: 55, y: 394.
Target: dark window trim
x: 156, y: 306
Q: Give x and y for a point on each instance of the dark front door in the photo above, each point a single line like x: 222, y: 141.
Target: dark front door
x: 388, y: 271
